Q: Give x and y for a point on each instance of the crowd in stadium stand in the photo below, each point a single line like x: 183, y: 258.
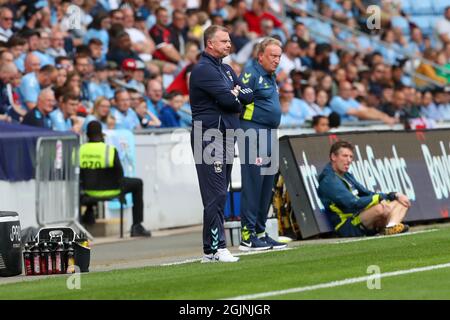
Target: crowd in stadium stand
x: 127, y: 63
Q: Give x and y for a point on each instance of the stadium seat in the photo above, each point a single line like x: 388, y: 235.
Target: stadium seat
x: 402, y: 23
x: 433, y: 20
x: 87, y: 200
x: 424, y: 23
x: 308, y: 22
x: 422, y: 7
x: 439, y: 6
x: 406, y: 6
x: 321, y: 32
x: 90, y: 200
x: 311, y: 5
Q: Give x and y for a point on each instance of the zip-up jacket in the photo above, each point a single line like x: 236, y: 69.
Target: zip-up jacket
x: 266, y: 109
x: 210, y: 94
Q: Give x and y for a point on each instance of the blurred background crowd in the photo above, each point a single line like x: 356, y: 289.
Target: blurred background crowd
x: 127, y: 63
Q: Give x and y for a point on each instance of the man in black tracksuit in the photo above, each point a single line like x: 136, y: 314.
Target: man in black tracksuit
x: 216, y: 97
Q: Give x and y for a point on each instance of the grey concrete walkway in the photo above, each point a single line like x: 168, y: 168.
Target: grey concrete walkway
x: 163, y: 247
x: 166, y: 246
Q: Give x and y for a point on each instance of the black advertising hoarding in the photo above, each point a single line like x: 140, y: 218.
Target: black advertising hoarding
x: 414, y: 163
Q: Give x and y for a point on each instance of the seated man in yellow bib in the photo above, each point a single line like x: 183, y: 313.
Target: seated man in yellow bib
x: 353, y: 210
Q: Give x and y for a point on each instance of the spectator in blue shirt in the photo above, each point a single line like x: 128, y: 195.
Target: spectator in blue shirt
x: 345, y: 9
x: 124, y: 115
x: 39, y: 116
x: 31, y: 63
x: 416, y: 45
x: 322, y: 102
x: 32, y: 83
x: 390, y: 51
x: 32, y: 40
x: 309, y: 100
x: 133, y: 72
x: 169, y: 113
x: 99, y: 85
x: 43, y: 46
x: 9, y: 99
x: 429, y: 109
x: 154, y: 96
x: 186, y: 115
x: 351, y: 110
x: 293, y: 112
x: 61, y: 78
x: 56, y: 48
x: 442, y: 104
x: 320, y: 124
x: 6, y: 73
x: 101, y: 112
x: 98, y: 29
x: 64, y: 118
x: 399, y: 78
x: 96, y: 51
x: 38, y: 47
x: 64, y: 62
x: 324, y: 28
x: 146, y: 118
x: 84, y: 66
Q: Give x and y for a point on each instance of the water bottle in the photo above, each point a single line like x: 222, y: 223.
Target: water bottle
x: 27, y: 261
x: 59, y: 259
x: 44, y: 259
x: 47, y: 257
x: 36, y: 260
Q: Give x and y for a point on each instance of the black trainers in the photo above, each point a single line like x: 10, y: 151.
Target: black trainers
x: 253, y: 244
x: 274, y: 244
x: 138, y: 230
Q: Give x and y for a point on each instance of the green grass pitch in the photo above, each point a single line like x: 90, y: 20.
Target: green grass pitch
x: 306, y: 265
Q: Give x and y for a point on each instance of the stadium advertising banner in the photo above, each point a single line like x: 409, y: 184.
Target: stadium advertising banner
x: 414, y: 163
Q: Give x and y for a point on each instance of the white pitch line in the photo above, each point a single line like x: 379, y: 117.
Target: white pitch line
x: 338, y: 283
x: 249, y: 253
x: 290, y: 248
x: 235, y: 254
x: 179, y: 262
x: 384, y: 237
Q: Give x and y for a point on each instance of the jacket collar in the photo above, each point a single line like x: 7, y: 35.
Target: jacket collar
x: 216, y: 61
x: 260, y: 69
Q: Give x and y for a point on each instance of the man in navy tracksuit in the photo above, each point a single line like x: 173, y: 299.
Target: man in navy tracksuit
x: 260, y: 117
x: 216, y: 97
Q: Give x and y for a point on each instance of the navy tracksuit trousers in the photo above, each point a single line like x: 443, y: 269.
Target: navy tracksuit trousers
x: 213, y: 180
x: 256, y: 192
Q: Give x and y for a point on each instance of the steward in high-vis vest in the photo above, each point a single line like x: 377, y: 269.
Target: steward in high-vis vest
x: 100, y: 167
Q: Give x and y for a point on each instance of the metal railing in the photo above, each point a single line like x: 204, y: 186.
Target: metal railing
x: 57, y: 181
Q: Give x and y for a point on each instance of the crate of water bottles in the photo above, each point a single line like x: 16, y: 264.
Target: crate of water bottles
x: 56, y: 250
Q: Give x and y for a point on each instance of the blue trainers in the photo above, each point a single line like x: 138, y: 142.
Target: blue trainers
x: 253, y: 244
x: 274, y: 244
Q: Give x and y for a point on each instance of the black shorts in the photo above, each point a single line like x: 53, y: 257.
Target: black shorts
x: 349, y: 229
